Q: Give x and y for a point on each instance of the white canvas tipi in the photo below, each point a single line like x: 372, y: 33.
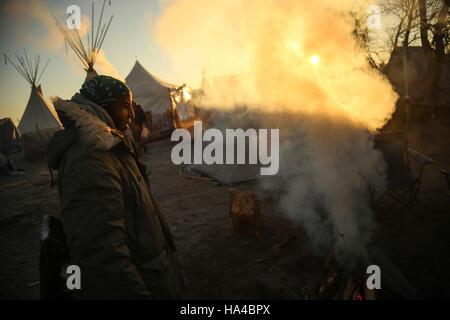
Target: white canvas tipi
x: 39, y: 116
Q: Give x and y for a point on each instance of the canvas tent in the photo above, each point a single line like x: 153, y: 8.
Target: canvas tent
x: 149, y: 91
x: 39, y: 120
x: 38, y: 124
x: 38, y: 115
x: 9, y: 136
x: 157, y: 96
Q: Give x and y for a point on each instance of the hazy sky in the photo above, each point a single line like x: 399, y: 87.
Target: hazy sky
x: 23, y: 25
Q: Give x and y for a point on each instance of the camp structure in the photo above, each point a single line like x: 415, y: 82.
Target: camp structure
x: 9, y: 137
x: 38, y: 115
x: 88, y: 50
x: 198, y: 95
x: 163, y: 102
x: 8, y: 167
x: 39, y: 120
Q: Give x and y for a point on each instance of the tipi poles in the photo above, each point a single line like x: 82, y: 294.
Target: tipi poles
x: 28, y: 69
x: 87, y: 52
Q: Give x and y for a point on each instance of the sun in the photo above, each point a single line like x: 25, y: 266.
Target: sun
x: 315, y: 59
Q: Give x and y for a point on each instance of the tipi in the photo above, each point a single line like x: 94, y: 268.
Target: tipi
x: 88, y: 51
x: 39, y: 120
x: 38, y: 115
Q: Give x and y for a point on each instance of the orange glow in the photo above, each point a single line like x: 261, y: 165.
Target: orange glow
x: 301, y: 55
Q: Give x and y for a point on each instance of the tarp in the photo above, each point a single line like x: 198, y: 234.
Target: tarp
x: 38, y: 115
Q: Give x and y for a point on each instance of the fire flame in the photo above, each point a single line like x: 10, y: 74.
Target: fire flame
x: 358, y: 295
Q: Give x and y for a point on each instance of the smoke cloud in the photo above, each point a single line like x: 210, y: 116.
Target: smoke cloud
x: 103, y: 66
x: 296, y: 66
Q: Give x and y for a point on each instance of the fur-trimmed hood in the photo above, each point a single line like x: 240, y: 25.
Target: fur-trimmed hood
x: 85, y: 121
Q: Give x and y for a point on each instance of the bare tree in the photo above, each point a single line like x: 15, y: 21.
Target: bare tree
x: 405, y: 24
x: 434, y: 23
x: 374, y: 47
x: 362, y: 33
x: 402, y: 24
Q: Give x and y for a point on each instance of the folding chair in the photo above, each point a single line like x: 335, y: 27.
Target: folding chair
x: 403, y: 184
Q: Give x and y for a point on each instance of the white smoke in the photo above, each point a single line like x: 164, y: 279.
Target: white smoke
x: 299, y: 68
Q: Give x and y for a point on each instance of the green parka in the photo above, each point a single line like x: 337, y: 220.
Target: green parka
x: 114, y: 230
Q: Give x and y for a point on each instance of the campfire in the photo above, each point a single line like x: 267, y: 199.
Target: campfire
x: 338, y: 284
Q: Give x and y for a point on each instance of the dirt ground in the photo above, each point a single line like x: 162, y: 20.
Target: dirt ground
x: 219, y: 264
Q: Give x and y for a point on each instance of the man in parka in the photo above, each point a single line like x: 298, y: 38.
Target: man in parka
x: 114, y: 230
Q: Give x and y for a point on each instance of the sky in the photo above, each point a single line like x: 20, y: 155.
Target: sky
x: 25, y: 25
x: 175, y: 40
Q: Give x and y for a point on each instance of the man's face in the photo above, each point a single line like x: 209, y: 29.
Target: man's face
x: 121, y: 112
